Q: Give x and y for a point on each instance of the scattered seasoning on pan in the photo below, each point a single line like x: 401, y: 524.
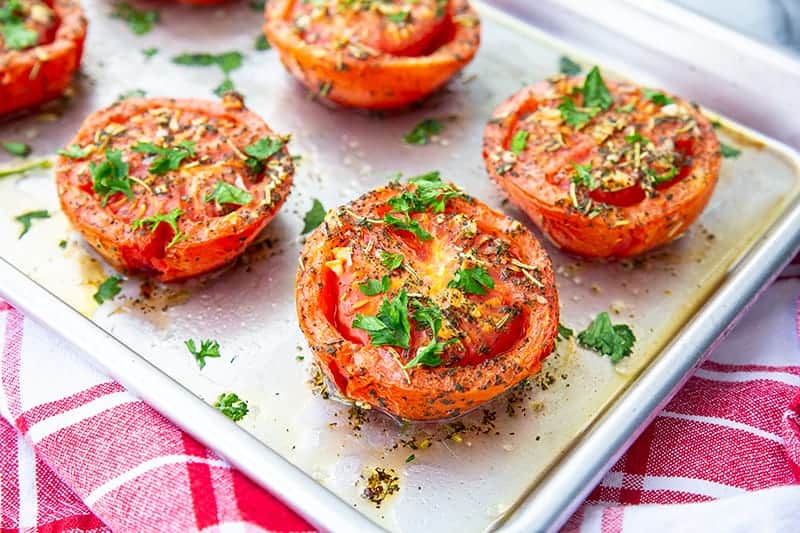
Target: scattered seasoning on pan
x: 73, y: 152
x: 16, y: 148
x: 605, y: 338
x: 26, y: 219
x: 225, y: 193
x: 133, y: 93
x: 62, y: 243
x: 16, y: 35
x: 25, y: 167
x: 261, y: 43
x: 313, y: 217
x: 140, y: 21
x: 171, y: 219
x: 230, y: 405
x: 208, y: 348
x: 728, y: 151
x: 108, y: 289
x: 568, y: 67
x: 380, y: 484
x: 422, y: 132
x: 410, y: 458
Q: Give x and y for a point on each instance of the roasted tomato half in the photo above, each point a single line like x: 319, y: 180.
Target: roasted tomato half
x: 173, y: 188
x: 41, y: 43
x: 423, y: 302
x: 374, y: 55
x: 606, y: 170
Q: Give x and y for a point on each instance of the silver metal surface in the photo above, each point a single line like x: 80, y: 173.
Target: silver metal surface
x: 249, y: 308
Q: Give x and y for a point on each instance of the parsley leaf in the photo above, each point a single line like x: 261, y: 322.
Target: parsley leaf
x: 371, y: 287
x: 140, y: 21
x: 224, y: 87
x: 133, y: 93
x: 472, y: 280
x: 225, y: 193
x: 656, y: 97
x: 108, y: 289
x: 261, y: 43
x: 564, y: 332
x: 519, y: 142
x: 432, y: 192
x: 169, y: 158
x: 26, y: 219
x: 391, y: 261
x: 16, y: 35
x: 15, y: 148
x: 635, y: 138
x: 422, y: 132
x: 25, y: 167
x: 657, y: 179
x: 406, y: 224
x: 226, y: 61
x: 603, y: 337
x: 568, y: 66
x: 149, y: 52
x: 260, y: 151
x: 111, y: 176
x: 595, y: 92
x: 399, y: 17
x: 313, y: 217
x: 230, y: 405
x: 583, y: 177
x: 390, y: 327
x: 572, y: 116
x: 627, y: 108
x: 430, y: 354
x: 73, y: 151
x: 728, y: 151
x: 430, y: 315
x: 171, y: 219
x: 208, y: 348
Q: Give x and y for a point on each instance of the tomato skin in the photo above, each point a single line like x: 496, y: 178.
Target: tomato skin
x: 373, y: 374
x: 634, y: 223
x: 384, y: 80
x: 209, y: 241
x: 36, y: 75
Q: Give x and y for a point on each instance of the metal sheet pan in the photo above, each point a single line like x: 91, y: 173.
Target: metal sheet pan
x: 524, y: 471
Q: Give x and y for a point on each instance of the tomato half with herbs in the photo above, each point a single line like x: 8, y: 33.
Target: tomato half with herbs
x: 173, y: 188
x: 374, y: 55
x: 606, y: 170
x: 423, y: 302
x: 41, y: 43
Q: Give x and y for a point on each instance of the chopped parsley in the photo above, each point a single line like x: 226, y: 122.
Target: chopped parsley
x: 226, y: 61
x: 430, y: 354
x: 62, y: 243
x: 230, y: 405
x: 225, y: 193
x: 627, y: 108
x: 108, y: 289
x: 635, y: 138
x: 171, y: 219
x: 133, y: 93
x: 16, y: 148
x: 568, y: 67
x: 407, y: 224
x: 169, y: 158
x: 399, y: 17
x: 605, y: 338
x: 260, y: 151
x: 657, y: 179
x: 431, y: 193
x: 410, y: 458
x: 73, y: 151
x: 656, y: 97
x: 519, y: 142
x: 391, y: 261
x: 313, y: 217
x: 372, y: 287
x: 26, y: 219
x: 225, y: 87
x: 472, y: 280
x: 140, y: 21
x: 16, y: 35
x: 261, y: 43
x: 728, y: 151
x: 595, y: 92
x: 572, y: 116
x: 208, y: 348
x: 20, y: 169
x: 111, y: 176
x: 583, y: 177
x: 390, y: 327
x: 564, y: 332
x: 149, y: 52
x: 422, y: 132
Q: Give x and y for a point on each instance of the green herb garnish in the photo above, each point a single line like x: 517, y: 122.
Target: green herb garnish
x: 140, y: 21
x: 472, y: 280
x: 169, y: 158
x: 658, y: 179
x: 16, y: 35
x: 226, y: 61
x: 111, y: 176
x: 564, y: 332
x: 260, y: 151
x: 73, y: 151
x: 26, y: 219
x: 21, y: 169
x: 572, y: 116
x: 430, y: 354
x: 314, y: 217
x: 171, y: 219
x: 583, y: 177
x: 208, y: 348
x: 149, y: 52
x: 407, y: 224
x: 635, y: 138
x: 390, y: 327
x: 391, y: 261
x: 224, y: 87
x: 261, y: 43
x: 133, y: 93
x: 728, y: 151
x: 615, y: 341
x: 519, y: 142
x: 372, y: 287
x: 568, y: 67
x: 230, y: 405
x: 595, y: 92
x: 225, y: 193
x: 656, y: 97
x: 108, y: 289
x: 16, y: 148
x: 422, y: 132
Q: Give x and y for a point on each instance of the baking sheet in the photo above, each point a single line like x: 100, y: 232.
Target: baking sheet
x: 468, y: 477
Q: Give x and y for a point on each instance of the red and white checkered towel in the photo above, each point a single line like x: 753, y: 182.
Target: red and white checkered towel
x: 79, y: 453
